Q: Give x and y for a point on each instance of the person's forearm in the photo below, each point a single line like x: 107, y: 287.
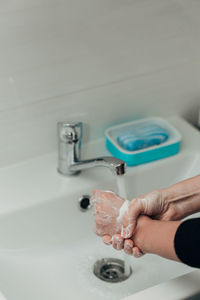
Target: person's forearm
x: 158, y: 238
x: 185, y: 196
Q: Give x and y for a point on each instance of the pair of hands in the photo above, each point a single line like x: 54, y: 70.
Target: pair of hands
x: 127, y: 235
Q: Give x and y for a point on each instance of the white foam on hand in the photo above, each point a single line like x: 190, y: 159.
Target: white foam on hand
x: 122, y: 211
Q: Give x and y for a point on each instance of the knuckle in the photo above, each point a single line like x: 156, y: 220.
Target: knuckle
x: 98, y: 220
x: 128, y: 244
x: 99, y: 231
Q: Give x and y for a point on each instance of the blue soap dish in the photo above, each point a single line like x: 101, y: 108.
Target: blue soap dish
x: 143, y: 140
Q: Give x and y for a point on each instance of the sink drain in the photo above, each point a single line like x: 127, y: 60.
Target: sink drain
x: 111, y: 270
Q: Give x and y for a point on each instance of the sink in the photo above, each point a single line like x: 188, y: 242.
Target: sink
x: 47, y: 245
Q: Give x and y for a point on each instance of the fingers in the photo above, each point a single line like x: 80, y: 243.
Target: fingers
x: 127, y: 231
x: 118, y: 242
x: 128, y: 247
x: 95, y: 197
x: 99, y: 195
x: 137, y: 252
x: 98, y: 220
x: 129, y: 220
x: 108, y: 196
x: 107, y: 239
x: 99, y: 229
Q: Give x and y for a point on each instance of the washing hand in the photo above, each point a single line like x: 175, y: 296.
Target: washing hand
x: 156, y: 237
x: 150, y: 236
x: 107, y: 210
x: 170, y: 204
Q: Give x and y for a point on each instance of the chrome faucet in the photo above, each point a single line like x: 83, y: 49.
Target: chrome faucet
x: 69, y: 150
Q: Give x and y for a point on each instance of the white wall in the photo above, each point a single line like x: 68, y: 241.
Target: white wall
x: 99, y: 61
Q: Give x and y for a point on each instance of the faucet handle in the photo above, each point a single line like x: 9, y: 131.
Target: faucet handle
x: 70, y: 132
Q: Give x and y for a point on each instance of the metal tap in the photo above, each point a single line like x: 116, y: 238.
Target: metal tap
x: 69, y: 150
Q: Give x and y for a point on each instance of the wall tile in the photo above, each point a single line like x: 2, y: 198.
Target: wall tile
x: 60, y: 47
x: 30, y: 130
x: 101, y: 62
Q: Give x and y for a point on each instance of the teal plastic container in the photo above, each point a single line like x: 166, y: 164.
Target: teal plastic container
x: 134, y: 158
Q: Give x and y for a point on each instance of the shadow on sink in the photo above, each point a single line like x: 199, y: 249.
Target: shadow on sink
x: 193, y: 297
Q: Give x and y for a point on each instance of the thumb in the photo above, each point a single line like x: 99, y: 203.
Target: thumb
x: 129, y: 220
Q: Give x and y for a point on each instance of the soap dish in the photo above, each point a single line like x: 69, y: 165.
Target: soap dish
x: 137, y: 157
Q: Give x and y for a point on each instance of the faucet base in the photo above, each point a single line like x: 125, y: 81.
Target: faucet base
x: 71, y: 173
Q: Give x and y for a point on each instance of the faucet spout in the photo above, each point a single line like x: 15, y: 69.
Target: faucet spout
x: 116, y: 165
x: 69, y: 150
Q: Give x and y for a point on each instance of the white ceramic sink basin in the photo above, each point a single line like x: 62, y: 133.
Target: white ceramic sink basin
x: 47, y: 246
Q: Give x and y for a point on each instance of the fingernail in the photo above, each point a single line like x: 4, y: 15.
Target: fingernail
x: 119, y: 245
x: 137, y: 253
x: 128, y: 231
x: 108, y: 242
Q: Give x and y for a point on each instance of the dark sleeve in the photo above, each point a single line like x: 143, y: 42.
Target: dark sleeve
x: 187, y: 242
